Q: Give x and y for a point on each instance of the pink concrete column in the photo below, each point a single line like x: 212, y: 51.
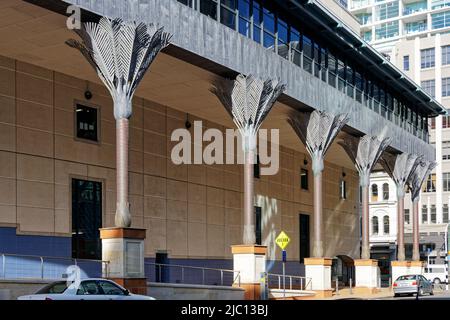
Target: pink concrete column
x: 416, y: 253
x: 123, y: 216
x: 249, y: 236
x: 400, y: 226
x: 318, y: 216
x: 365, y: 249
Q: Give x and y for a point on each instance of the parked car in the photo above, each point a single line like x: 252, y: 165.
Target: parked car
x: 88, y: 289
x: 436, y: 273
x: 412, y: 284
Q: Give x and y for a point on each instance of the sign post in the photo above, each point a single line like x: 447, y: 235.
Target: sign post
x: 282, y: 241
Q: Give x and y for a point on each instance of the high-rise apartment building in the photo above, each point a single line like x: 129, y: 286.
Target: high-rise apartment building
x: 415, y: 36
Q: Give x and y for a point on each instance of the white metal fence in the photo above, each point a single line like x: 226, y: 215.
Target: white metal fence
x: 15, y: 266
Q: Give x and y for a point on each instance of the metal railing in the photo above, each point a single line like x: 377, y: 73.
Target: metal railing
x: 15, y: 266
x: 173, y: 273
x: 276, y: 281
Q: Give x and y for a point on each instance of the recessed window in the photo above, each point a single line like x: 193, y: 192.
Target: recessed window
x: 86, y: 219
x: 427, y: 58
x: 374, y: 193
x: 343, y: 190
x: 424, y: 214
x: 386, y: 224
x: 433, y: 213
x: 406, y: 63
x: 385, y: 191
x: 375, y: 225
x: 257, y: 169
x: 86, y: 122
x: 429, y: 86
x: 407, y: 221
x: 258, y: 225
x: 304, y: 179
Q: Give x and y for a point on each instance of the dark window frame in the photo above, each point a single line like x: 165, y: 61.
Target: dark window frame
x: 76, y: 105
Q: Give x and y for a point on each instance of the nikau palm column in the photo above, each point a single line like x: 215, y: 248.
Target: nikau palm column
x: 415, y: 182
x: 365, y: 153
x: 120, y: 53
x: 400, y: 167
x: 317, y: 131
x: 249, y: 100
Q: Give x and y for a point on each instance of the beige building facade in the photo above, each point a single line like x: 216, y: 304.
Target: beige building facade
x: 189, y: 211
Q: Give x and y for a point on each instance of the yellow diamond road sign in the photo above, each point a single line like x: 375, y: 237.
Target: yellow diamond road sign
x: 282, y: 240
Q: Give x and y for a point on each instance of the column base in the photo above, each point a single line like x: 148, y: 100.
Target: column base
x: 323, y: 294
x: 250, y: 261
x: 319, y: 271
x: 417, y: 267
x: 136, y: 286
x: 366, y: 290
x: 123, y: 248
x: 367, y: 275
x: 400, y: 268
x: 252, y: 291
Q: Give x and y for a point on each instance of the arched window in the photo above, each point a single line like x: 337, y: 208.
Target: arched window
x: 374, y: 225
x: 386, y: 224
x: 385, y: 191
x: 374, y: 192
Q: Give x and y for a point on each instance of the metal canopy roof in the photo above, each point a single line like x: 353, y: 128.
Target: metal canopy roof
x: 329, y: 26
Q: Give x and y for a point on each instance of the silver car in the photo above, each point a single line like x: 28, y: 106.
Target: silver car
x: 88, y: 289
x: 412, y: 284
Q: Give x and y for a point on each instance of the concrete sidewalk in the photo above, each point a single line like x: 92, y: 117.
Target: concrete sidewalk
x: 345, y: 294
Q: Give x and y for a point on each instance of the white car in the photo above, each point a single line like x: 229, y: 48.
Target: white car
x: 88, y: 289
x: 436, y: 273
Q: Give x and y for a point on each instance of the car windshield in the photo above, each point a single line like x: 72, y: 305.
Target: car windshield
x: 406, y: 278
x: 56, y: 287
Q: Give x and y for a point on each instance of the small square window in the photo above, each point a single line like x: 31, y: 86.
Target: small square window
x: 86, y: 122
x: 304, y: 179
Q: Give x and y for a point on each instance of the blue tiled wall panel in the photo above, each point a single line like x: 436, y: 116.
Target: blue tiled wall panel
x: 50, y: 246
x: 46, y: 246
x: 211, y: 277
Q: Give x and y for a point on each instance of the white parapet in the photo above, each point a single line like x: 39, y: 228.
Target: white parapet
x: 400, y: 268
x: 417, y: 267
x: 319, y: 271
x: 250, y: 262
x: 367, y: 276
x: 124, y: 251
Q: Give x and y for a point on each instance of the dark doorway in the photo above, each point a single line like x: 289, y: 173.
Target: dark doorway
x: 86, y: 219
x: 258, y: 226
x: 161, y: 268
x: 304, y: 237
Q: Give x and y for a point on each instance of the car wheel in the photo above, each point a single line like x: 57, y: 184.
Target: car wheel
x: 396, y: 295
x: 421, y: 292
x: 431, y: 292
x: 437, y: 281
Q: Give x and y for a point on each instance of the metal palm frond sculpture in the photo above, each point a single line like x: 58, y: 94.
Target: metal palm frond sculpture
x: 400, y: 167
x: 120, y: 53
x: 415, y: 182
x: 317, y: 131
x: 365, y: 153
x: 248, y: 100
x: 418, y: 177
